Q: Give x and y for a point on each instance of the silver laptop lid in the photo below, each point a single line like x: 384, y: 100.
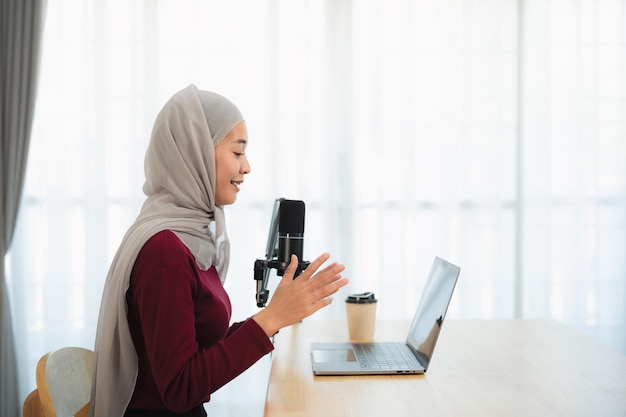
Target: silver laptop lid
x: 432, y: 309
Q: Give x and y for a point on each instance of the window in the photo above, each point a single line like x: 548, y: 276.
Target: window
x: 488, y: 132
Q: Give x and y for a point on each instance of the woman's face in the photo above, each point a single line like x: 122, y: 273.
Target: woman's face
x: 231, y: 164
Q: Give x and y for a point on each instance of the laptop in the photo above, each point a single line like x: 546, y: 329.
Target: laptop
x: 398, y: 358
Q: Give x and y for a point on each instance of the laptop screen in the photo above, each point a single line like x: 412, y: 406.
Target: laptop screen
x: 432, y: 308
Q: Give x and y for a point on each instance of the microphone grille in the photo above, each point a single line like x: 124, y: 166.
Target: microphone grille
x: 291, y: 217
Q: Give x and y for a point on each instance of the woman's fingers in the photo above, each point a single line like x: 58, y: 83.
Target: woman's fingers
x: 309, y: 271
x: 324, y: 284
x: 328, y: 288
x: 295, y: 299
x: 315, y: 265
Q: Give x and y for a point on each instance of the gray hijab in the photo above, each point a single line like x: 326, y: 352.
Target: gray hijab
x: 180, y: 190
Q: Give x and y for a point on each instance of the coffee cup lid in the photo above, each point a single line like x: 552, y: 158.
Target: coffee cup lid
x: 363, y: 298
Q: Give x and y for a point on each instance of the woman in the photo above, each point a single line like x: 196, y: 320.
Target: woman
x: 164, y: 343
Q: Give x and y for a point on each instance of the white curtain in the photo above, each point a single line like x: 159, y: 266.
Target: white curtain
x: 489, y: 132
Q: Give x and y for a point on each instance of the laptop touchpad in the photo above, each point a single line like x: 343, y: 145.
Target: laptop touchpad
x: 333, y: 355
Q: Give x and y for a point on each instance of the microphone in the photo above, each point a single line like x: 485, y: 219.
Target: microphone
x: 286, y: 238
x: 290, y: 233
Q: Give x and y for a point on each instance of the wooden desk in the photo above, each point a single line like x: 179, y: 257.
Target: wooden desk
x: 480, y: 368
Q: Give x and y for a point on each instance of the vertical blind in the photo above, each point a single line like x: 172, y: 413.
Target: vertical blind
x: 488, y: 132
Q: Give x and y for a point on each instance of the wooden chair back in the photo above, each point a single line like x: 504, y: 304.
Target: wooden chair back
x: 63, y: 384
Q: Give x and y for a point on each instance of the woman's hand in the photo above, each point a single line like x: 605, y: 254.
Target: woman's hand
x: 295, y: 299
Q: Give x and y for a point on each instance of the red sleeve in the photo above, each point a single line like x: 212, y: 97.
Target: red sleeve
x: 234, y: 327
x: 164, y: 292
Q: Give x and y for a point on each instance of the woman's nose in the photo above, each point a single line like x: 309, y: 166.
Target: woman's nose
x: 245, y: 166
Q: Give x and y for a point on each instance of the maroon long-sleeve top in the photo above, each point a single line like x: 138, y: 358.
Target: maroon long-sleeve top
x: 179, y: 318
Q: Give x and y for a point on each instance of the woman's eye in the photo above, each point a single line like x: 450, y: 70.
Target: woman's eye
x: 239, y: 154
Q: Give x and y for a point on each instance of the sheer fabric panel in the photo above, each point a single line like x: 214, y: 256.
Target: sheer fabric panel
x: 488, y: 132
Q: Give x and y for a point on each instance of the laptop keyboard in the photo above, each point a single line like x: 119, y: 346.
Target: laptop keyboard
x: 381, y: 355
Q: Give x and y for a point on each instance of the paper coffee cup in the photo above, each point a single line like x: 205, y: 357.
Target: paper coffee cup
x: 361, y: 314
